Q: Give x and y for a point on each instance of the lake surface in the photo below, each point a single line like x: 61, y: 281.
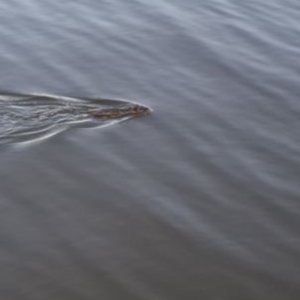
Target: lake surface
x: 200, y: 199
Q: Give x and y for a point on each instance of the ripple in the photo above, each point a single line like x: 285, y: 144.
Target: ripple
x: 26, y: 118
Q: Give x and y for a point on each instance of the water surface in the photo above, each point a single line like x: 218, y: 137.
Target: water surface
x: 200, y: 200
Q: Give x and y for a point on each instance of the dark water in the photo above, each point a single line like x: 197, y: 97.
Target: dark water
x: 199, y: 200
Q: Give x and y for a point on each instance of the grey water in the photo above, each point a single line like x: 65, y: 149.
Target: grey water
x: 198, y: 200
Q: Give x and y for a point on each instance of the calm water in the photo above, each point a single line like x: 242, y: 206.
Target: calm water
x: 199, y: 200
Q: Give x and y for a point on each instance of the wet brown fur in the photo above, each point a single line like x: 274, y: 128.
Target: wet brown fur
x: 134, y: 110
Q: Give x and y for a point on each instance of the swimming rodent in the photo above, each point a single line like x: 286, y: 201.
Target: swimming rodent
x: 129, y: 109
